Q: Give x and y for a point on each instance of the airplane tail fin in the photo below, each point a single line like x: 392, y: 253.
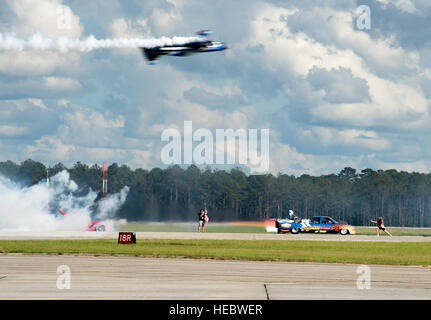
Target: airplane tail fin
x: 204, y: 33
x: 149, y: 54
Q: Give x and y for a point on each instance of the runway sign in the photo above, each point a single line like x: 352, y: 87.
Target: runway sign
x: 126, y: 237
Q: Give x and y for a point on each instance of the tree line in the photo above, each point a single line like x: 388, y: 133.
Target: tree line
x: 176, y: 193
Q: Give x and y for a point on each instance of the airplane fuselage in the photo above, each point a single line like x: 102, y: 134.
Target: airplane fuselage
x: 152, y: 54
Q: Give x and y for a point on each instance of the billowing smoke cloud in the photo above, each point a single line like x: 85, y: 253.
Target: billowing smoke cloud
x: 9, y: 42
x: 111, y: 203
x: 35, y: 208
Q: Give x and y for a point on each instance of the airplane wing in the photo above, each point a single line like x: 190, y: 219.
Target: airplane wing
x: 153, y: 54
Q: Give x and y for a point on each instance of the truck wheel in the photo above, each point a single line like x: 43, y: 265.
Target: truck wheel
x: 344, y: 231
x: 294, y: 230
x: 278, y: 230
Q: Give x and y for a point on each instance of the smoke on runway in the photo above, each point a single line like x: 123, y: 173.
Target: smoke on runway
x: 34, y: 208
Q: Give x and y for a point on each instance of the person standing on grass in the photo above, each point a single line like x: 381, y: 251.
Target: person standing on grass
x: 380, y: 226
x: 201, y: 220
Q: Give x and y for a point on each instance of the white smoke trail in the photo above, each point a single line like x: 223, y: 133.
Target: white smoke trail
x: 29, y: 208
x: 9, y: 42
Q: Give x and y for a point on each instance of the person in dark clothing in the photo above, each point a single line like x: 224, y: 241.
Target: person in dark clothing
x: 380, y: 226
x: 201, y: 220
x: 292, y: 215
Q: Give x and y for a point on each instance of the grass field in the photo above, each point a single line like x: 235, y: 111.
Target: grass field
x: 190, y: 227
x: 386, y: 253
x: 235, y: 228
x: 396, y: 231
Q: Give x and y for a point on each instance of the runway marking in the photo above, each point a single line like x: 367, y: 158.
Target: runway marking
x: 266, y: 291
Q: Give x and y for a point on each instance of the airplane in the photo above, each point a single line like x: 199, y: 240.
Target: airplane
x: 198, y: 46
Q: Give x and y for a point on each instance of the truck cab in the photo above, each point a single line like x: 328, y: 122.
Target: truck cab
x: 324, y: 223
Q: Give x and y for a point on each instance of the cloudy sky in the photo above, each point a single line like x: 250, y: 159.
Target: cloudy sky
x: 332, y: 94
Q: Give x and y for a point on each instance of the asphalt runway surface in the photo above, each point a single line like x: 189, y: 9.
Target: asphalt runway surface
x: 106, y: 277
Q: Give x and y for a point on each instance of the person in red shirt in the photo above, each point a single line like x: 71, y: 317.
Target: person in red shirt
x: 380, y: 226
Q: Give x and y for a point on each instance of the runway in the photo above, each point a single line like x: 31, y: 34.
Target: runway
x: 103, y: 277
x: 120, y: 277
x: 4, y: 235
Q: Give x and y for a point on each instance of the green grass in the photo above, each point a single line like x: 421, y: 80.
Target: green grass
x: 227, y: 228
x: 189, y: 227
x: 396, y: 231
x: 386, y: 253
